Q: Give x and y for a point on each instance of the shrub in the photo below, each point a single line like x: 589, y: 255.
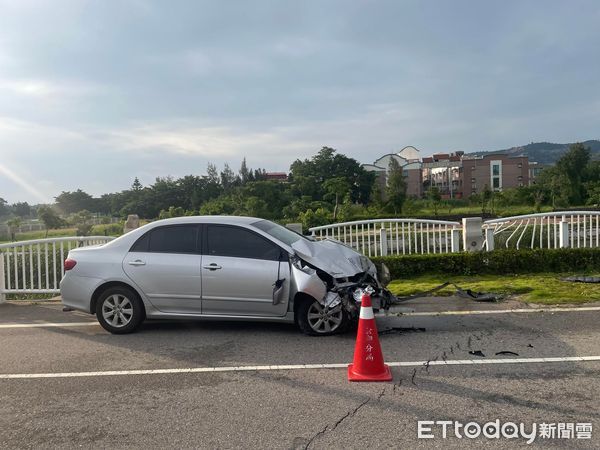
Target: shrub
x: 495, y: 262
x: 112, y: 229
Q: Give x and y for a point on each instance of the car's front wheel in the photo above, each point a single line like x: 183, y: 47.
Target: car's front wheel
x: 317, y: 320
x: 119, y: 310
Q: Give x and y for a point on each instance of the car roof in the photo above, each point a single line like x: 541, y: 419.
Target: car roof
x: 127, y: 239
x: 228, y: 220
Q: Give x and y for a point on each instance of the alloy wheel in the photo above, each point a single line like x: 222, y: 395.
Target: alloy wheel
x: 117, y: 310
x: 323, y: 319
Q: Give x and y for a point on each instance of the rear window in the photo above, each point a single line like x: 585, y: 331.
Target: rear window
x: 169, y: 239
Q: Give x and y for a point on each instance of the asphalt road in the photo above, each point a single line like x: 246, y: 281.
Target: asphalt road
x: 293, y: 408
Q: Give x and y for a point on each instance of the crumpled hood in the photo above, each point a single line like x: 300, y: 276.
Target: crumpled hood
x: 333, y: 257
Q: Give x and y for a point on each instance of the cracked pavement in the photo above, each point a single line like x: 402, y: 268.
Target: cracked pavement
x: 294, y: 409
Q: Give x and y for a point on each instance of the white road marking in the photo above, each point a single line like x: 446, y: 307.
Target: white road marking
x: 458, y: 362
x: 491, y: 311
x: 391, y: 314
x: 48, y: 324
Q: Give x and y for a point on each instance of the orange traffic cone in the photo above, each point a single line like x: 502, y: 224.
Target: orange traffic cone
x: 368, y: 362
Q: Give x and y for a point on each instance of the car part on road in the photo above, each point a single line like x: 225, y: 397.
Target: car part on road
x: 119, y: 310
x: 402, y: 330
x: 477, y: 353
x: 465, y: 293
x: 582, y: 279
x: 507, y: 352
x: 478, y: 296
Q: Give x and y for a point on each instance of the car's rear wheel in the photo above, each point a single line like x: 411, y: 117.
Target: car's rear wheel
x: 119, y: 310
x: 317, y: 320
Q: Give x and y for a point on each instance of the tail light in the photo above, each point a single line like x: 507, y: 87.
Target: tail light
x: 69, y: 263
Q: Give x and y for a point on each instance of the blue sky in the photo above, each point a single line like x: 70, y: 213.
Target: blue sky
x: 93, y: 94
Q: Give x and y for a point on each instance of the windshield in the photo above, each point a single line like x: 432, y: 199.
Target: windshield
x: 283, y: 234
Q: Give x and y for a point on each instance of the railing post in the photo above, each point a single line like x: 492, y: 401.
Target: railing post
x: 472, y: 234
x: 563, y: 233
x: 489, y: 239
x: 455, y: 242
x: 2, y: 275
x: 383, y: 241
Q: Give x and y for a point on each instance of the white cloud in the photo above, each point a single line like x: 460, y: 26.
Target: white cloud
x: 48, y: 89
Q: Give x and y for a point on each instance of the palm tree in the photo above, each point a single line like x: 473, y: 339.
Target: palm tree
x: 13, y: 225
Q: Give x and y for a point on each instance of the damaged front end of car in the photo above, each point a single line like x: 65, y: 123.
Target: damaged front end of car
x: 334, y: 274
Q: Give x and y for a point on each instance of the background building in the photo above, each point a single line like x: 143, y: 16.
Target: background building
x: 456, y: 175
x: 409, y: 160
x: 498, y: 171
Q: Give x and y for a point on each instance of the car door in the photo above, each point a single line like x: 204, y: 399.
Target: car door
x: 240, y: 269
x: 165, y: 264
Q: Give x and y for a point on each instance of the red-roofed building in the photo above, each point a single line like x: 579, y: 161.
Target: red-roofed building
x: 276, y: 176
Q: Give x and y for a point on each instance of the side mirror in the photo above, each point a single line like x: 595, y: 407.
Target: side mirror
x: 384, y: 275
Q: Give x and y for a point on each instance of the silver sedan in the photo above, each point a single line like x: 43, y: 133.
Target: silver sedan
x: 220, y: 267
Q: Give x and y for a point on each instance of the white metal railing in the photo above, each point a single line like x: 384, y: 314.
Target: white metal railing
x: 382, y: 237
x: 36, y: 266
x: 575, y: 229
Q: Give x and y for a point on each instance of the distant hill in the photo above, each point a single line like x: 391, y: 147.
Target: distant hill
x: 543, y: 152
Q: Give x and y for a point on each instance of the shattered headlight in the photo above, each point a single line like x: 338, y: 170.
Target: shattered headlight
x: 358, y: 293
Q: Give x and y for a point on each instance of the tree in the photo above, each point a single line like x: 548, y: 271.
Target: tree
x: 213, y: 182
x: 228, y: 179
x: 256, y: 207
x: 71, y: 202
x: 22, y: 209
x: 336, y: 188
x: 593, y: 192
x: 307, y: 176
x: 13, y: 226
x: 3, y: 209
x: 172, y: 212
x: 312, y: 218
x: 244, y: 172
x: 435, y: 197
x: 49, y: 217
x: 486, y: 196
x: 554, y: 185
x: 573, y: 164
x: 136, y: 186
x: 376, y: 196
x: 396, y: 187
x: 82, y: 220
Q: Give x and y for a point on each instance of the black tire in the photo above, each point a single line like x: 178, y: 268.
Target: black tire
x: 124, y: 306
x: 309, y: 305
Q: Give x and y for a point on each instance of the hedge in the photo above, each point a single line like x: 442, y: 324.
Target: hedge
x: 497, y: 262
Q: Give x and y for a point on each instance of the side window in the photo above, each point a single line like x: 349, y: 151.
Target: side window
x: 240, y: 243
x: 173, y: 239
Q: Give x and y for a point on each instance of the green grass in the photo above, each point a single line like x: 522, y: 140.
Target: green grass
x: 62, y: 232
x: 97, y: 230
x: 544, y: 288
x: 500, y: 211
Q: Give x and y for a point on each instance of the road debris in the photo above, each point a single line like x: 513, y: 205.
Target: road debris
x: 582, y: 279
x: 402, y: 330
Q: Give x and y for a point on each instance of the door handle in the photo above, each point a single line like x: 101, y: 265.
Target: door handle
x: 212, y: 266
x: 137, y: 262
